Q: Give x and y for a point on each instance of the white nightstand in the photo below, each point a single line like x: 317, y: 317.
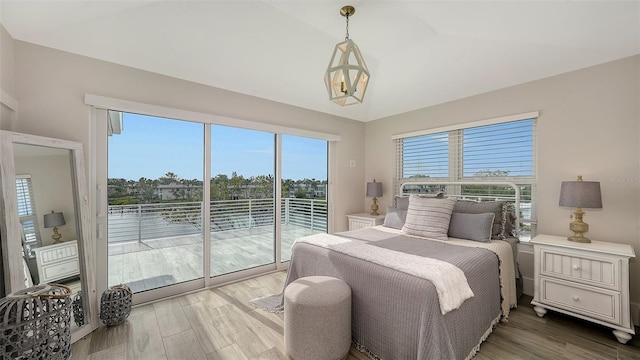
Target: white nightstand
x: 58, y: 261
x: 364, y: 220
x: 586, y: 280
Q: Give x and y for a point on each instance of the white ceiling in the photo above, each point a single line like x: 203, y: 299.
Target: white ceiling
x: 419, y: 53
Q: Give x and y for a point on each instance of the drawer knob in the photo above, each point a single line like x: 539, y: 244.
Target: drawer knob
x: 576, y: 267
x: 575, y: 298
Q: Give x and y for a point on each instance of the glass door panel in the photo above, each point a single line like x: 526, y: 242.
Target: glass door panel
x: 304, y: 189
x: 242, y: 199
x: 155, y: 189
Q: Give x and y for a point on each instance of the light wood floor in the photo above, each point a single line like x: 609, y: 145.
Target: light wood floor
x: 220, y: 324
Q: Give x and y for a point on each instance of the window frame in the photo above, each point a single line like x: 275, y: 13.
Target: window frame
x: 32, y: 216
x: 455, y: 159
x: 99, y: 120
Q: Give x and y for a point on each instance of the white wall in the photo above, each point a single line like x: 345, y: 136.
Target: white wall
x: 7, y: 78
x: 50, y: 88
x: 588, y: 125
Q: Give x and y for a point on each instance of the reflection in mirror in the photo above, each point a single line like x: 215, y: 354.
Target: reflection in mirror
x: 47, y: 221
x: 44, y: 188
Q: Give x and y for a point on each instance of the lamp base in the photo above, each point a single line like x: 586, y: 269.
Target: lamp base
x: 579, y: 227
x: 374, y: 207
x: 57, y: 237
x: 579, y: 238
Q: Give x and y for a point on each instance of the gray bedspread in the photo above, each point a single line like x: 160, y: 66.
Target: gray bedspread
x: 396, y: 315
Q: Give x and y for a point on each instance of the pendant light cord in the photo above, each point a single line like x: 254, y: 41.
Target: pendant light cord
x: 347, y: 37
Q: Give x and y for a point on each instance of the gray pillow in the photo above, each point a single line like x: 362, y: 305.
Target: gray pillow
x: 401, y: 202
x: 395, y: 218
x: 476, y: 227
x: 499, y: 208
x: 509, y: 226
x: 428, y: 217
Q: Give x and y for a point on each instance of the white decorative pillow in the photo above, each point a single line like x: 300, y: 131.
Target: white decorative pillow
x: 428, y: 217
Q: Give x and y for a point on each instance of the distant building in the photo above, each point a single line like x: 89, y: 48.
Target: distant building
x: 168, y: 192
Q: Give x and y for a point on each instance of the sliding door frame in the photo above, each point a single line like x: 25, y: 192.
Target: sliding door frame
x: 98, y: 191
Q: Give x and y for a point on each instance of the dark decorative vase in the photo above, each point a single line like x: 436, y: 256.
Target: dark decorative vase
x: 78, y: 309
x: 115, y: 305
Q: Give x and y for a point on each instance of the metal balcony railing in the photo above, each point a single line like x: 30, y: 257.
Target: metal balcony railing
x: 128, y: 223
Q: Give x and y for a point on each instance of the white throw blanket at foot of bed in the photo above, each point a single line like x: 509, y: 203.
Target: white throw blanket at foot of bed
x: 449, y: 281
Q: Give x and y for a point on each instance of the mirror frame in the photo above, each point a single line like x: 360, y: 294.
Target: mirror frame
x: 10, y: 224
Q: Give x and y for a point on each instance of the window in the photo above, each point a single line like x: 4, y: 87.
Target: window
x: 154, y: 243
x: 251, y: 204
x: 159, y: 214
x: 304, y: 189
x: 500, y: 151
x: 492, y: 150
x: 27, y: 214
x: 426, y: 156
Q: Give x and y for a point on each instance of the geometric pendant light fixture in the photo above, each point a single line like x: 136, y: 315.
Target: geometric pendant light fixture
x: 347, y: 75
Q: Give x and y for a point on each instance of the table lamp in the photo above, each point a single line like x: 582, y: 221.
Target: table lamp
x: 374, y: 189
x: 580, y: 194
x: 54, y: 220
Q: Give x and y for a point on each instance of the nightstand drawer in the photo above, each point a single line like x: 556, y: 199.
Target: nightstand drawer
x: 61, y: 270
x: 63, y: 251
x: 587, y: 300
x: 584, y: 268
x: 58, y: 261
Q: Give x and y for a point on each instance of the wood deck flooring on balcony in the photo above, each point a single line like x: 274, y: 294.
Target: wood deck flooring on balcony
x: 154, y: 263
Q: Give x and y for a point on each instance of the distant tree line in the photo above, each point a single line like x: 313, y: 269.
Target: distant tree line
x: 222, y: 187
x: 483, y: 190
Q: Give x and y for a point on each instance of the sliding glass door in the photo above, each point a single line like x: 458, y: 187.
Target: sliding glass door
x: 154, y: 191
x: 192, y: 204
x: 242, y: 199
x: 304, y: 189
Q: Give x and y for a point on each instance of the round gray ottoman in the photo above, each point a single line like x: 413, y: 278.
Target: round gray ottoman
x: 317, y: 318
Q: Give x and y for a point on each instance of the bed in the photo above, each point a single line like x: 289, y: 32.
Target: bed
x: 408, y: 301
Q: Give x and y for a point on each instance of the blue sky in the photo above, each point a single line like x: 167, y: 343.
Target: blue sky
x: 150, y: 147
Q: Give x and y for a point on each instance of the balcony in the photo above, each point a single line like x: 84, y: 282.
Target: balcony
x: 155, y: 245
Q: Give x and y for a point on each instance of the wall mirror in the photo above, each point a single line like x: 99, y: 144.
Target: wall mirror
x: 46, y: 222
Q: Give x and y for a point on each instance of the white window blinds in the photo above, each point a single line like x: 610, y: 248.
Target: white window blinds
x: 489, y: 150
x: 27, y: 215
x: 425, y: 156
x: 501, y: 150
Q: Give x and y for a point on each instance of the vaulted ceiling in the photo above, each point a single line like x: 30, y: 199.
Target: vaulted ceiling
x: 419, y: 53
